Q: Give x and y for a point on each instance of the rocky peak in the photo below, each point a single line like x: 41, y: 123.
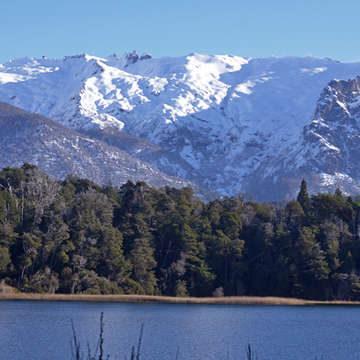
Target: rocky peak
x: 339, y: 104
x: 133, y: 57
x: 145, y: 56
x: 332, y: 140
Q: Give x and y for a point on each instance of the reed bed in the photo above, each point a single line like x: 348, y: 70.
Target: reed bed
x: 231, y: 300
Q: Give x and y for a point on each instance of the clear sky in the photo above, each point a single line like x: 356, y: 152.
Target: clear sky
x: 255, y: 28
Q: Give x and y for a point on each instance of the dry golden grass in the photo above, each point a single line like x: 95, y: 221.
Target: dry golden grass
x: 235, y: 300
x: 6, y: 289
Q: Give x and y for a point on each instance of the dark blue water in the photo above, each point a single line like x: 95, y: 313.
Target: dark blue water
x: 42, y: 330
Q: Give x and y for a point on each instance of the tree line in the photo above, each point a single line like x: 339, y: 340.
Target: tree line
x: 74, y: 236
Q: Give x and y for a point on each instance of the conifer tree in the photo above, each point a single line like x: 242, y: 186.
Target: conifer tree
x: 303, y: 197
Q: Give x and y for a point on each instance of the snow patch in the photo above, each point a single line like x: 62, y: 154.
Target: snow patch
x: 245, y: 87
x: 12, y: 78
x: 314, y: 71
x: 335, y: 179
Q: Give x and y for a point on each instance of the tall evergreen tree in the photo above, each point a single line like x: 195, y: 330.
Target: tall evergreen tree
x: 303, y: 197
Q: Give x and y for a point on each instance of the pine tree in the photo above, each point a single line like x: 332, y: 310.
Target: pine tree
x: 303, y: 196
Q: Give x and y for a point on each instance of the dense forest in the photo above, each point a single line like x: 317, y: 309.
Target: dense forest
x: 74, y: 236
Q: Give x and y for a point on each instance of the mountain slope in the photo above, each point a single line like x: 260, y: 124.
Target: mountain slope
x: 225, y: 122
x: 31, y: 138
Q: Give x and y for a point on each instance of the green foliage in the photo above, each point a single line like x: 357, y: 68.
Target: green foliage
x: 4, y: 259
x: 77, y: 237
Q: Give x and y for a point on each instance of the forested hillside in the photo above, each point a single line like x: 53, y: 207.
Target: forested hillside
x: 74, y: 236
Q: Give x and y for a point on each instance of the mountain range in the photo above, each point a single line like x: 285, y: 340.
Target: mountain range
x: 226, y: 123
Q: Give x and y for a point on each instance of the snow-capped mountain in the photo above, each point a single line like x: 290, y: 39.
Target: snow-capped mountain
x: 59, y: 151
x: 229, y: 123
x: 331, y: 144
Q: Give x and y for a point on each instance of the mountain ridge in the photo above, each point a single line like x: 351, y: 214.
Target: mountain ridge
x: 225, y: 122
x: 59, y: 151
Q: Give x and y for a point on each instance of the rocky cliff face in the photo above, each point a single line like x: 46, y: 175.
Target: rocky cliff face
x: 228, y: 123
x: 331, y: 144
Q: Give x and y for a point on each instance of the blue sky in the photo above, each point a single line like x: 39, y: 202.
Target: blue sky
x: 256, y: 28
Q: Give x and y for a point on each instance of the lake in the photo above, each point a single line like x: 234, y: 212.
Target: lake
x: 42, y: 330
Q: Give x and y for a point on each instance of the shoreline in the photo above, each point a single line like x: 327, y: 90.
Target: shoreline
x: 147, y: 299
